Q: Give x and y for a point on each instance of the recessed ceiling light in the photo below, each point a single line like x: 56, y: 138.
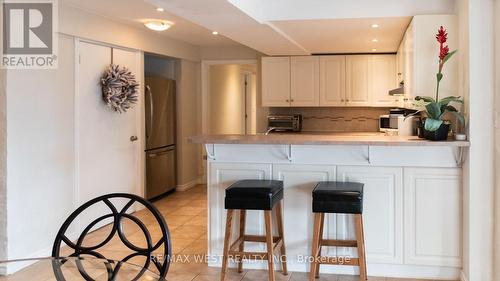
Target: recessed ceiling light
x: 374, y: 50
x: 215, y: 32
x: 374, y: 40
x: 158, y: 25
x: 160, y: 9
x: 374, y: 25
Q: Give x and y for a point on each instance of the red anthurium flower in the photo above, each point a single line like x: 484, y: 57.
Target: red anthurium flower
x: 444, y: 52
x: 442, y: 35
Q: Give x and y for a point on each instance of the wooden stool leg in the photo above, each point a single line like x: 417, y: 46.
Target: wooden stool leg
x: 361, y: 247
x: 315, y: 246
x: 243, y: 217
x: 227, y: 242
x: 322, y: 222
x: 281, y: 233
x: 268, y: 216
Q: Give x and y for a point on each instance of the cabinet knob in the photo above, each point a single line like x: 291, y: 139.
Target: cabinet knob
x: 342, y: 100
x: 291, y: 100
x: 347, y: 100
x: 287, y: 100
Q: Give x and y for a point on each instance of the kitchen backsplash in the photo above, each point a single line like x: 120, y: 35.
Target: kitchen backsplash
x: 336, y: 119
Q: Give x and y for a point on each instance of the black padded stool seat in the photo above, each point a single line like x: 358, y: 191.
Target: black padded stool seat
x: 254, y: 194
x: 338, y: 197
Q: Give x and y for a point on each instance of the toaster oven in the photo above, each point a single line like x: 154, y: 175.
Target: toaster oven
x: 282, y: 123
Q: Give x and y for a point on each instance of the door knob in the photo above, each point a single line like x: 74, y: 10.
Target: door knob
x: 133, y: 138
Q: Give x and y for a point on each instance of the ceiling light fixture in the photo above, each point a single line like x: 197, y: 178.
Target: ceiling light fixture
x: 374, y: 25
x: 374, y: 40
x: 160, y: 9
x: 215, y: 32
x: 158, y: 25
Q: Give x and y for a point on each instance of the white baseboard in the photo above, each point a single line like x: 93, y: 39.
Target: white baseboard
x: 11, y: 268
x: 189, y: 185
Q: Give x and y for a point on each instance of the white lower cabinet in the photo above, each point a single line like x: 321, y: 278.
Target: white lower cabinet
x: 382, y: 212
x: 299, y: 181
x: 412, y: 216
x: 433, y: 208
x: 221, y: 176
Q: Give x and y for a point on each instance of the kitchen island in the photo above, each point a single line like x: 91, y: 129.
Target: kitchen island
x: 412, y: 197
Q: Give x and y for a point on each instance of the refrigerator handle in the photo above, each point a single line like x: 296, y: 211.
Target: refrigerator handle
x: 149, y: 130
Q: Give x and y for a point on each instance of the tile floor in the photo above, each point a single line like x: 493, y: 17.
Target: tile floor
x: 186, y: 216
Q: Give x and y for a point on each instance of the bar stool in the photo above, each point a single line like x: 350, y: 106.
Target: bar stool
x: 264, y: 195
x: 340, y: 198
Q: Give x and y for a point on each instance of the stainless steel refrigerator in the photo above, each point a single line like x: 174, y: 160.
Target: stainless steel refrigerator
x: 161, y: 164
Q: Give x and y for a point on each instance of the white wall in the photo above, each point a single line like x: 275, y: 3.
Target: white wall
x: 497, y: 141
x: 479, y: 167
x: 188, y: 123
x: 226, y: 98
x: 40, y: 159
x: 3, y: 167
x: 229, y: 53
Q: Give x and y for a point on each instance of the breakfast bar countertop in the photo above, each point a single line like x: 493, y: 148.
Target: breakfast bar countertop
x: 325, y: 138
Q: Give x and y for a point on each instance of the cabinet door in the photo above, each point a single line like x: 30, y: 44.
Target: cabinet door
x: 382, y: 213
x: 299, y: 181
x: 304, y: 81
x: 383, y: 79
x: 332, y: 81
x: 275, y: 81
x: 221, y: 176
x: 358, y: 80
x: 433, y: 216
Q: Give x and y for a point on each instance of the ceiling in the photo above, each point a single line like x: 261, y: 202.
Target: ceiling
x: 346, y: 35
x: 135, y: 12
x: 303, y: 27
x: 277, y: 27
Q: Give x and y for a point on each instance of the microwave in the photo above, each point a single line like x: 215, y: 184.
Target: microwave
x: 399, y: 124
x: 282, y: 123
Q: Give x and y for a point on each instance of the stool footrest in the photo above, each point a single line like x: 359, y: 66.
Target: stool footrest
x: 338, y: 243
x: 277, y: 241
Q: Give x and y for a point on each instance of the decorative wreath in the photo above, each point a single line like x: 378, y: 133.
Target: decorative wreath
x: 119, y: 88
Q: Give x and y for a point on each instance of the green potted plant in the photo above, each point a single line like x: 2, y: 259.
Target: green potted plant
x: 436, y: 127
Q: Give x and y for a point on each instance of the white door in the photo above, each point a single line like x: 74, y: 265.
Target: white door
x: 358, y: 78
x: 299, y: 181
x: 382, y: 212
x: 433, y: 216
x: 332, y: 81
x: 275, y: 81
x: 108, y: 161
x: 221, y: 176
x: 304, y: 81
x: 383, y: 79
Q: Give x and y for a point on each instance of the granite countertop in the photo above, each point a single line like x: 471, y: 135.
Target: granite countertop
x: 325, y: 138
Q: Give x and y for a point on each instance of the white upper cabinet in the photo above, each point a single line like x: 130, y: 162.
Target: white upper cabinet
x: 358, y: 80
x: 336, y: 80
x: 332, y: 81
x: 276, y: 81
x: 304, y: 74
x: 383, y: 80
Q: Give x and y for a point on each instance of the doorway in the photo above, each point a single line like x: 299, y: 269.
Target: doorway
x: 230, y: 98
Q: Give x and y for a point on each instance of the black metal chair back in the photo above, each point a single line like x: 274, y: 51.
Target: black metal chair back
x: 78, y: 249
